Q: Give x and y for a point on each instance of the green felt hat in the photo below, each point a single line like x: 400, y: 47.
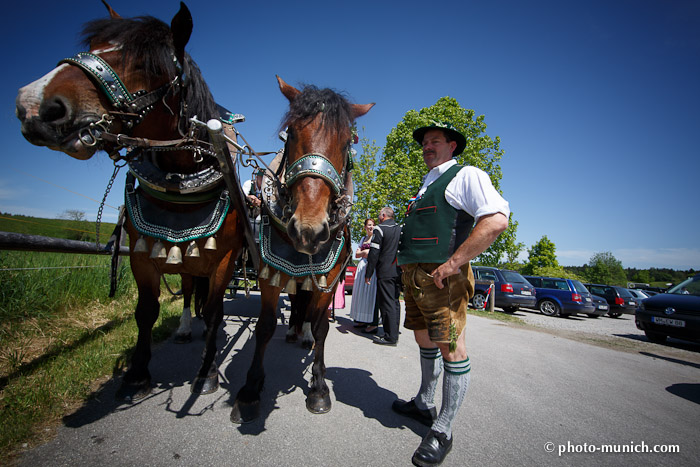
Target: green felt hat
x: 455, y: 135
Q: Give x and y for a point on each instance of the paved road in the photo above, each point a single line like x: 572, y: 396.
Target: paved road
x: 528, y: 388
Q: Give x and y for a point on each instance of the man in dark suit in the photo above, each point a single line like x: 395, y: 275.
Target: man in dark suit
x: 382, y: 258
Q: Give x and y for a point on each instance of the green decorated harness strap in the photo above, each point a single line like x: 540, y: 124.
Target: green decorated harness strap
x: 106, y: 77
x: 314, y: 165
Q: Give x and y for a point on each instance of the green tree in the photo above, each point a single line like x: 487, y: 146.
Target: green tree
x: 399, y: 174
x: 365, y: 181
x: 541, y: 255
x: 606, y: 269
x: 511, y: 247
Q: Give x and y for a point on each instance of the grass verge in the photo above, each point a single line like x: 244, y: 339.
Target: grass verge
x: 53, y: 350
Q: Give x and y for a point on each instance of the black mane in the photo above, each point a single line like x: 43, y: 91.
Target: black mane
x: 149, y: 40
x: 311, y: 100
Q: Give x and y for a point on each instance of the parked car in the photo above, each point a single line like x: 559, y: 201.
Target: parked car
x: 601, y: 305
x: 349, y: 278
x: 512, y: 290
x: 562, y: 297
x: 639, y: 295
x: 675, y: 313
x: 619, y: 299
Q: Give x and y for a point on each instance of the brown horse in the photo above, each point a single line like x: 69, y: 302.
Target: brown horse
x: 137, y: 89
x: 305, y: 239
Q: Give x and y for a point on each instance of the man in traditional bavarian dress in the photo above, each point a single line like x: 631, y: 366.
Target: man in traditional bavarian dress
x: 437, y: 243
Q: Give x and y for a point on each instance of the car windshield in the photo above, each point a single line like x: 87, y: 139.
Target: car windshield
x: 579, y: 287
x: 511, y: 276
x: 624, y: 292
x: 689, y: 286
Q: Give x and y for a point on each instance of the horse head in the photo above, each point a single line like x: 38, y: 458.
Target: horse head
x: 132, y: 81
x: 317, y: 151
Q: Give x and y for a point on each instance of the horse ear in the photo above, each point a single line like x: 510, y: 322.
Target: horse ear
x: 290, y: 92
x: 181, y: 28
x: 358, y: 110
x: 112, y: 14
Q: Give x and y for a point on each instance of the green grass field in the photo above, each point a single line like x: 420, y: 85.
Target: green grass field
x: 59, y: 330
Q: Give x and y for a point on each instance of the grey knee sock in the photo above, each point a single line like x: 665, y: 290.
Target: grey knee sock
x: 454, y: 388
x: 430, y: 367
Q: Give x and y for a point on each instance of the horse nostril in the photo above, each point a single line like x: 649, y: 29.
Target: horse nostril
x: 55, y: 110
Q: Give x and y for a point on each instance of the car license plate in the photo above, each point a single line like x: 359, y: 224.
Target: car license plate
x: 348, y: 273
x: 602, y: 307
x: 588, y: 299
x: 678, y: 323
x: 525, y: 292
x: 633, y: 303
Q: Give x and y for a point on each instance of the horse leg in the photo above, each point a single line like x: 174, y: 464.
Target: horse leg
x: 207, y: 379
x: 318, y: 400
x: 295, y: 319
x: 246, y: 408
x: 136, y: 383
x: 307, y: 337
x: 183, y: 334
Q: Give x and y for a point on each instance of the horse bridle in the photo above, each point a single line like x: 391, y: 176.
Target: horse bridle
x: 130, y: 108
x: 276, y: 192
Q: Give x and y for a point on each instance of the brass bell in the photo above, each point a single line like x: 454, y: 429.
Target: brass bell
x: 275, y: 281
x: 291, y: 287
x: 158, y: 250
x: 174, y: 255
x: 265, y: 273
x: 307, y: 285
x: 322, y: 282
x: 210, y: 244
x: 141, y: 246
x: 192, y: 250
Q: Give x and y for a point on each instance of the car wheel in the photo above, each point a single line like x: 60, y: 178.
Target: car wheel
x: 614, y: 314
x: 479, y: 300
x: 549, y: 308
x: 592, y: 315
x: 510, y: 309
x: 655, y: 337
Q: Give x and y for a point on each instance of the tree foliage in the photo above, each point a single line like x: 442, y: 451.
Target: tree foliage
x: 541, y: 255
x: 394, y: 179
x: 606, y: 269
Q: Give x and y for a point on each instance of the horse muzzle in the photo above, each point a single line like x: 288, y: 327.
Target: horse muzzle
x: 308, y: 238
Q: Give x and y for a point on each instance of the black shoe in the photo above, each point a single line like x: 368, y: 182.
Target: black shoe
x: 432, y: 450
x: 409, y: 409
x: 384, y: 341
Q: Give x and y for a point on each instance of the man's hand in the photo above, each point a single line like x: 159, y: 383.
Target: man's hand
x: 368, y: 280
x: 444, y: 271
x: 254, y: 201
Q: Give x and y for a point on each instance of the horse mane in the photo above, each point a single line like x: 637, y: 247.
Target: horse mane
x: 149, y: 39
x: 312, y: 100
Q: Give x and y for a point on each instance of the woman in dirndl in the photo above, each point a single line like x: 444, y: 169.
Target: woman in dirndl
x: 362, y: 309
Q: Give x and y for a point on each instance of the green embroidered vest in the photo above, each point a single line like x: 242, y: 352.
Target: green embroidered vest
x: 433, y: 229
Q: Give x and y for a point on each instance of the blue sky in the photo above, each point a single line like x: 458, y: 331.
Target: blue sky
x: 597, y: 103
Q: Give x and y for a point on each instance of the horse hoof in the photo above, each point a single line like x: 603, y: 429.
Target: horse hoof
x: 205, y: 385
x: 318, y: 404
x: 290, y: 338
x: 245, y: 412
x: 183, y: 338
x: 307, y: 345
x: 133, y: 392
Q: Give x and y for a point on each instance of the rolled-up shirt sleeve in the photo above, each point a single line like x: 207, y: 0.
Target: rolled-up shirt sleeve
x: 472, y: 191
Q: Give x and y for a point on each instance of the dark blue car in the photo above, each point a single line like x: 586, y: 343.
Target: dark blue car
x: 562, y: 297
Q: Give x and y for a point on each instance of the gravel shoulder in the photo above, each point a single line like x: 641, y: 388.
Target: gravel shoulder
x: 615, y: 333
